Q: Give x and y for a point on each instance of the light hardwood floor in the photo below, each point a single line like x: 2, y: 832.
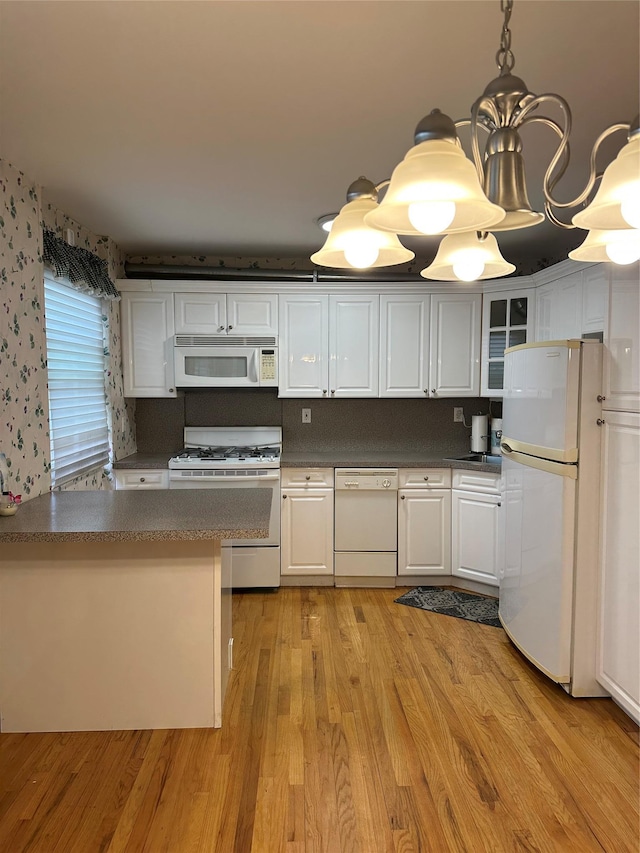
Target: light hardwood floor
x: 351, y: 724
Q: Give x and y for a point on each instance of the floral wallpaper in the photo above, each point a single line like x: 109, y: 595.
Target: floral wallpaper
x: 24, y: 435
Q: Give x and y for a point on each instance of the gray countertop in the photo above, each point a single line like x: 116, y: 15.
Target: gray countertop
x: 336, y: 459
x: 116, y: 516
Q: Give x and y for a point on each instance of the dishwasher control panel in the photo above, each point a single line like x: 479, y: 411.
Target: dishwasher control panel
x: 366, y: 479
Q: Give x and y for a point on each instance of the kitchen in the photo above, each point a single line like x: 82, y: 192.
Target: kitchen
x: 153, y: 420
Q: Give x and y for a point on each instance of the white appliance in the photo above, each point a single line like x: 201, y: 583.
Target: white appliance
x: 214, y: 361
x: 236, y: 458
x: 551, y: 472
x: 366, y: 526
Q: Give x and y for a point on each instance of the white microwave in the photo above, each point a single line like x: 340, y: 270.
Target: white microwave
x: 214, y: 361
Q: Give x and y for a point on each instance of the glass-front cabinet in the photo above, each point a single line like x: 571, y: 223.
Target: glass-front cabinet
x: 507, y: 321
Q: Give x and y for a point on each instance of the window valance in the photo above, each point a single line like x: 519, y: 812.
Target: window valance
x: 87, y: 272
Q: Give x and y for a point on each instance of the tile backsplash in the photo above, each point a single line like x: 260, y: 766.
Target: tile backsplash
x: 371, y: 424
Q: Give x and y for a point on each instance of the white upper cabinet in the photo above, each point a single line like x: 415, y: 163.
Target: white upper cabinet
x: 147, y: 344
x: 507, y: 321
x: 353, y: 345
x: 622, y: 341
x: 573, y: 304
x: 595, y: 298
x: 304, y: 345
x: 454, y: 359
x: 226, y: 314
x: 404, y: 345
x: 328, y: 345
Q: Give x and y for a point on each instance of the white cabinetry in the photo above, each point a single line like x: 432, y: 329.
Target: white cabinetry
x: 329, y: 345
x: 573, y: 303
x: 622, y: 341
x: 618, y: 666
x: 454, y: 352
x: 476, y: 526
x: 404, y: 345
x: 307, y: 522
x: 147, y: 321
x: 141, y: 478
x: 424, y: 522
x: 226, y: 313
x: 507, y: 321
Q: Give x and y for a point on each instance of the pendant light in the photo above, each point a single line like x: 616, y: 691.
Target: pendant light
x: 470, y: 256
x: 352, y: 243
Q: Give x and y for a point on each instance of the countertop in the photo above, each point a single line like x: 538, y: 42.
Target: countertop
x: 117, y: 516
x: 336, y: 459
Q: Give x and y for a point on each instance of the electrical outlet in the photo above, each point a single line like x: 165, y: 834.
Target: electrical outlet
x: 306, y: 416
x: 458, y: 415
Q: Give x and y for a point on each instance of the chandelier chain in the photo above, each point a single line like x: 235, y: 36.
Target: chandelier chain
x: 505, y: 59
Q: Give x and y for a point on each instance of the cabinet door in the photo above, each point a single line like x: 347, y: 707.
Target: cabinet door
x: 566, y: 318
x: 201, y: 313
x: 475, y: 536
x: 454, y: 360
x: 147, y: 344
x: 252, y: 314
x: 307, y: 532
x: 544, y: 313
x: 618, y: 665
x: 622, y: 341
x: 404, y: 345
x: 303, y: 345
x: 595, y: 298
x: 424, y: 532
x: 353, y: 345
x: 507, y: 321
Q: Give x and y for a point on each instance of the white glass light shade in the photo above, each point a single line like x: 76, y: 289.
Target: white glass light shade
x: 618, y: 246
x: 351, y: 238
x: 620, y: 186
x: 462, y: 254
x: 435, y: 171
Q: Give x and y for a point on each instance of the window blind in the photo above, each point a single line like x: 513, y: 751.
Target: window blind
x: 78, y: 424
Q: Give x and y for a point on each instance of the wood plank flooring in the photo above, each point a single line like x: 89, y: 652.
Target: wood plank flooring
x: 351, y: 724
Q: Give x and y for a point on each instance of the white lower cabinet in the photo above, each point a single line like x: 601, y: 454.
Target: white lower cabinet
x: 618, y: 660
x: 142, y: 478
x: 476, y: 527
x: 424, y: 522
x: 306, y: 546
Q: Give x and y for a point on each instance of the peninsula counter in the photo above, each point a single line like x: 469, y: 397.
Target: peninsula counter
x: 115, y: 607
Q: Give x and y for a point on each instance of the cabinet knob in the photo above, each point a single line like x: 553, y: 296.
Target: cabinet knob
x: 324, y: 390
x: 333, y: 391
x: 142, y: 479
x: 433, y: 390
x: 229, y: 328
x: 600, y: 398
x: 600, y: 421
x: 308, y: 477
x: 425, y: 479
x: 402, y: 497
x: 426, y: 390
x: 221, y: 328
x: 171, y: 390
x: 284, y: 497
x: 499, y: 504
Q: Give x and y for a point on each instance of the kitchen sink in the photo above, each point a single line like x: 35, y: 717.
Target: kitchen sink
x: 480, y: 458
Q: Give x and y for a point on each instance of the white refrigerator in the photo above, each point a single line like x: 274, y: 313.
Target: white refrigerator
x: 551, y: 469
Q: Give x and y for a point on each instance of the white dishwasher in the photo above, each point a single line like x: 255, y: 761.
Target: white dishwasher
x: 366, y: 526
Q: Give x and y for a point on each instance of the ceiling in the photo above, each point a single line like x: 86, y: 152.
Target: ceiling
x: 227, y: 128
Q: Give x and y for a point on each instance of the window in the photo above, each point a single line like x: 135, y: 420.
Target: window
x: 76, y: 363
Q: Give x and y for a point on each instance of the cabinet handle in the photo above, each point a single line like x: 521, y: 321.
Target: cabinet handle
x: 600, y: 398
x: 402, y: 497
x: 601, y: 421
x: 229, y: 328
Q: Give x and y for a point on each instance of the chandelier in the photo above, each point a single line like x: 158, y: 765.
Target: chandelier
x: 438, y: 190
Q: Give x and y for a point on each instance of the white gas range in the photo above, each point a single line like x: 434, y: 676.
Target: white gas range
x: 237, y: 457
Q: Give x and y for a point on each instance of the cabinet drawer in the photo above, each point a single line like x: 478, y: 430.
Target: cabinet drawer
x: 477, y: 481
x: 309, y: 478
x: 142, y: 478
x: 424, y: 478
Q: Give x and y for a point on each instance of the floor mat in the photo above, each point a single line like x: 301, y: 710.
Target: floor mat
x: 452, y: 602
